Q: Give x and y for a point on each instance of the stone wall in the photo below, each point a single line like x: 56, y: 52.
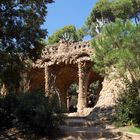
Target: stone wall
x: 111, y: 87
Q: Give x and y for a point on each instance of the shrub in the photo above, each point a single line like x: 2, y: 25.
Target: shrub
x: 30, y: 111
x: 8, y: 105
x: 36, y: 113
x: 128, y: 106
x: 55, y: 103
x: 137, y: 113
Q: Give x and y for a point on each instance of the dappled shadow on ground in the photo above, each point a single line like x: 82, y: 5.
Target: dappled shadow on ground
x: 94, y: 132
x: 97, y: 125
x: 104, y: 113
x: 16, y: 134
x: 10, y: 134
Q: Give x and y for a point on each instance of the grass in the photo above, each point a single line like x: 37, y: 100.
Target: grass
x: 134, y: 129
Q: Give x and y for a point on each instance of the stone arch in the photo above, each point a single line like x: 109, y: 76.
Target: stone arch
x: 65, y: 76
x: 66, y: 64
x: 94, y: 77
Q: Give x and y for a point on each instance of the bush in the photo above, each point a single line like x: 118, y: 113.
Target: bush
x: 8, y: 105
x: 55, y: 103
x: 30, y: 111
x: 137, y: 113
x: 36, y: 113
x: 128, y: 106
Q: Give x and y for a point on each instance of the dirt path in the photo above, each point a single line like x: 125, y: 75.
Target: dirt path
x: 76, y: 128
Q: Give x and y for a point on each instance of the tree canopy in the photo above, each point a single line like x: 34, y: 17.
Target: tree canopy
x: 67, y: 33
x: 118, y: 47
x: 20, y: 34
x: 107, y: 11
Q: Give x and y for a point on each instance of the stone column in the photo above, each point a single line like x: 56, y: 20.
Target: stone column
x: 3, y: 90
x: 24, y: 82
x: 82, y: 93
x: 47, y: 79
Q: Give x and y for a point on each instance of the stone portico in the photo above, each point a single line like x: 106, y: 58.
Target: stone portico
x: 64, y: 64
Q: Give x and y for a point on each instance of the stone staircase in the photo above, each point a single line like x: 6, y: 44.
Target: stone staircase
x: 77, y: 128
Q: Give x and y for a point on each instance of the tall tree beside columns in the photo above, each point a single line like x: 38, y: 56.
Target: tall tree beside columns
x: 20, y: 36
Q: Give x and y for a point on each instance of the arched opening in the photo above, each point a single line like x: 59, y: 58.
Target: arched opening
x: 93, y: 93
x: 72, y: 97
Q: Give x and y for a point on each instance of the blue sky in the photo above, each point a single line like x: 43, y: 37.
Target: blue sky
x: 67, y: 12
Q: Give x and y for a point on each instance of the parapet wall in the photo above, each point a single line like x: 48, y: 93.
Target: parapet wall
x: 67, y: 53
x: 65, y: 48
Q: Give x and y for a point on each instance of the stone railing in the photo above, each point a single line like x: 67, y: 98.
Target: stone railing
x: 64, y: 48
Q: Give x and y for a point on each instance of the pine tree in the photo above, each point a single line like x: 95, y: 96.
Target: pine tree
x: 107, y: 11
x: 118, y: 46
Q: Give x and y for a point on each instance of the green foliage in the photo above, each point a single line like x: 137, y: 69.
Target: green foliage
x: 117, y: 46
x: 123, y: 9
x: 93, y: 92
x: 31, y: 111
x: 8, y: 106
x: 73, y: 96
x: 107, y: 11
x: 134, y: 130
x: 20, y: 30
x: 67, y: 33
x: 128, y: 106
x: 80, y: 34
x: 20, y: 36
x: 94, y: 87
x: 73, y: 89
x: 55, y: 103
x: 10, y: 67
x: 35, y: 112
x: 102, y: 9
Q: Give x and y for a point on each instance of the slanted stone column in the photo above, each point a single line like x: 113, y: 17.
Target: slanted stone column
x: 82, y: 93
x: 47, y: 79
